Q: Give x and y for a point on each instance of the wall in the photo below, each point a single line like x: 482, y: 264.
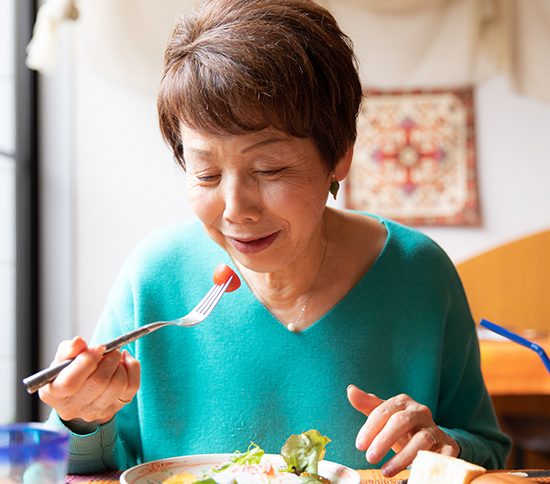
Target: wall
x: 513, y: 150
x: 116, y: 182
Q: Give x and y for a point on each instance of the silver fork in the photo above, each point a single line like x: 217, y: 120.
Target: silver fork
x: 196, y: 316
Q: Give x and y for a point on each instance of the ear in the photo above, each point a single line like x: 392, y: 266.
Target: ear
x: 343, y: 165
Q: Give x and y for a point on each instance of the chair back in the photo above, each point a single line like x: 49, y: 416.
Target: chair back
x: 510, y: 285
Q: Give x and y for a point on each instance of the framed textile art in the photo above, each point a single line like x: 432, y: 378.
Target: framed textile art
x: 414, y: 159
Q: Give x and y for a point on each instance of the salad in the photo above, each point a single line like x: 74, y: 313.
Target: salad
x: 301, y: 455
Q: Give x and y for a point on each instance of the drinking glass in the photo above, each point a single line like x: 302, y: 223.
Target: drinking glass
x: 33, y: 453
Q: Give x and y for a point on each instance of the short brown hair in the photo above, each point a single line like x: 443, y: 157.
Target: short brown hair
x: 238, y: 66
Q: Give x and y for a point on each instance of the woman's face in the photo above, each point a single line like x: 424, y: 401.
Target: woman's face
x: 260, y: 196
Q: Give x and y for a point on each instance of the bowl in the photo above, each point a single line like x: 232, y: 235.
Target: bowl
x: 157, y: 471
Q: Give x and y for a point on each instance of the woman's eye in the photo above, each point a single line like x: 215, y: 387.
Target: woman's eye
x: 207, y: 178
x: 271, y: 172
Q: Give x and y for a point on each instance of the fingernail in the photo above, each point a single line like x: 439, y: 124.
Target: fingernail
x: 372, y: 456
x: 387, y: 471
x: 360, y: 443
x: 99, y: 350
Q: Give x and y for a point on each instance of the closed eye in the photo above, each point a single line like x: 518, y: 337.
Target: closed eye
x: 271, y: 172
x: 207, y: 179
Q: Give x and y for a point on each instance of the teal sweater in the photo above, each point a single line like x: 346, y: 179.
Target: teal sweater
x: 241, y: 377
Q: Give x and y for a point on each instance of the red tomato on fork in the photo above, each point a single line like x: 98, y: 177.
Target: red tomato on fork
x: 222, y: 273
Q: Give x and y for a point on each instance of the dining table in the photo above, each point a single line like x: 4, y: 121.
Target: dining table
x: 512, y: 369
x: 368, y: 476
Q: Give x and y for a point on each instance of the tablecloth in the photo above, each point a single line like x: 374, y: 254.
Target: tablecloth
x: 371, y: 476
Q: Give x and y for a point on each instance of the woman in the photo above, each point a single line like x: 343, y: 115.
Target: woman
x: 258, y: 102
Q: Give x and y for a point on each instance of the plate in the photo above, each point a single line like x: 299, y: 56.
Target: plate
x: 156, y: 471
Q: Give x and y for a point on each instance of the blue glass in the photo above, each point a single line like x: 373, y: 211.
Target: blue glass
x: 33, y: 453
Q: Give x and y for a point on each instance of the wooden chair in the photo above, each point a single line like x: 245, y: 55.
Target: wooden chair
x: 510, y: 286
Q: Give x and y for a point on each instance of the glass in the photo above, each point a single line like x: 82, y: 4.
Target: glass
x: 33, y: 453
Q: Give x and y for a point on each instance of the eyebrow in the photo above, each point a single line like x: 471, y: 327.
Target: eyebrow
x: 243, y: 151
x: 198, y: 151
x: 262, y: 143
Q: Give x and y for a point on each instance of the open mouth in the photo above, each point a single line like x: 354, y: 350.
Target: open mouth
x: 253, y: 246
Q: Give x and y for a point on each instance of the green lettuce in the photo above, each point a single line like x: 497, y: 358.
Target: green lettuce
x: 303, y: 452
x: 252, y: 456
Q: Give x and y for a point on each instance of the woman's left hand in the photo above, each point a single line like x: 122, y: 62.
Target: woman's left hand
x: 400, y: 424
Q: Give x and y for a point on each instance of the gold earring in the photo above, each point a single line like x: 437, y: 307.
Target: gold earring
x: 334, y: 187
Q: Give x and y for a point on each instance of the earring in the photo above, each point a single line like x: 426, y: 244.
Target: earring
x: 334, y: 187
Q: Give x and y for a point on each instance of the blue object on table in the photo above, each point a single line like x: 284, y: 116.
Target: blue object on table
x: 495, y: 328
x: 33, y: 453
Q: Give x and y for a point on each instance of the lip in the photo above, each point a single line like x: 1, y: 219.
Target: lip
x: 253, y: 246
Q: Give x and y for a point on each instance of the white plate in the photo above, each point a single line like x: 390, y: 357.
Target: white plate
x: 157, y: 471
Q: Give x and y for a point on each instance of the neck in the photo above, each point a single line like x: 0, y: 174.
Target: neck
x: 287, y: 294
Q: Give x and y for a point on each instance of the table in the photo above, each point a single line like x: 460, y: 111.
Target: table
x: 511, y: 369
x: 371, y: 476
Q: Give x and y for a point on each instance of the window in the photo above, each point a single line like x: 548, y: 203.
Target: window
x: 7, y: 209
x: 18, y: 213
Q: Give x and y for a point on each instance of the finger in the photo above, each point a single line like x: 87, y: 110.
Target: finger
x: 115, y: 395
x: 71, y: 379
x: 362, y: 401
x: 120, y: 390
x: 92, y: 402
x: 133, y: 369
x: 104, y: 375
x: 69, y: 349
x: 424, y: 439
x: 124, y: 382
x: 380, y: 433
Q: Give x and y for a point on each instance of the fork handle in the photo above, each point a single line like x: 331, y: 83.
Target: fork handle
x: 38, y: 380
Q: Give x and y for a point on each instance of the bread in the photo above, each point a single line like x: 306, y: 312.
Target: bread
x: 431, y: 468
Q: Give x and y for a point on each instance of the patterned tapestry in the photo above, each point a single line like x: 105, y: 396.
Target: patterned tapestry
x: 414, y: 159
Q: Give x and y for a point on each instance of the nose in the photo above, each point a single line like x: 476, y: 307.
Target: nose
x: 242, y: 201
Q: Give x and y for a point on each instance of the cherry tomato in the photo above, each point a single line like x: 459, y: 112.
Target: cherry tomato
x: 222, y: 274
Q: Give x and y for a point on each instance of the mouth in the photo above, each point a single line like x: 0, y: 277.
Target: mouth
x: 253, y: 246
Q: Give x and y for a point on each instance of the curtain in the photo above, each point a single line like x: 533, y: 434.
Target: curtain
x: 400, y: 43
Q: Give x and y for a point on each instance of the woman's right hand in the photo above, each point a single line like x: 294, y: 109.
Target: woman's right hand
x: 90, y: 391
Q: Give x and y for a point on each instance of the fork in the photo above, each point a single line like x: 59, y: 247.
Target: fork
x: 196, y: 316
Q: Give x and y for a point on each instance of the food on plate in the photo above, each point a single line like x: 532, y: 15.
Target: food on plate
x: 222, y: 273
x: 183, y: 478
x: 432, y: 468
x: 301, y: 455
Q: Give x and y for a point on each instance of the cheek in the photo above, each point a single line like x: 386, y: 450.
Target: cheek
x: 204, y: 204
x: 306, y: 199
x: 300, y: 206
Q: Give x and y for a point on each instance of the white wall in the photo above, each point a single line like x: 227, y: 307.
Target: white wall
x: 513, y: 164
x: 111, y: 180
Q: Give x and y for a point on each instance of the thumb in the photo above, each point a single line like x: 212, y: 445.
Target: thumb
x: 362, y: 401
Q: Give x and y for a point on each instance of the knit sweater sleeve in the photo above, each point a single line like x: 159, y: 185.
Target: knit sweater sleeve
x: 475, y: 426
x: 96, y: 452
x: 465, y: 407
x: 116, y: 444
